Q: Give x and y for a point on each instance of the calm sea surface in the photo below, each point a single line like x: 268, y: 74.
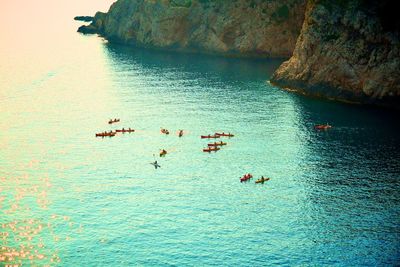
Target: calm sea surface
x: 70, y: 199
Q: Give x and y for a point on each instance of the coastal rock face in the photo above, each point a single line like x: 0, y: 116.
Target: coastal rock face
x: 245, y: 27
x: 347, y: 50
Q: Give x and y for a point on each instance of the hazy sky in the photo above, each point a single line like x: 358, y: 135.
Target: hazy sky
x: 35, y: 33
x: 20, y: 16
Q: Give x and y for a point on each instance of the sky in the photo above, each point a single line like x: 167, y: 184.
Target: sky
x: 20, y: 17
x: 36, y: 34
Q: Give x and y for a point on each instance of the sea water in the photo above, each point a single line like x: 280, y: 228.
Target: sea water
x: 68, y: 198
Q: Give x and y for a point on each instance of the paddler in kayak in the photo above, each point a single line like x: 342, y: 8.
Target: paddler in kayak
x: 164, y: 131
x: 163, y: 153
x: 180, y: 133
x: 323, y: 126
x: 155, y: 164
x: 262, y: 180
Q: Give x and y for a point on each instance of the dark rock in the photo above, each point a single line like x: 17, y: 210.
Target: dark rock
x: 90, y: 29
x: 345, y: 52
x: 84, y: 18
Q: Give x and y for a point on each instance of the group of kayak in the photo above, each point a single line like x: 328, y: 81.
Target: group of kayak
x: 216, y: 145
x: 112, y: 134
x: 165, y: 131
x: 248, y: 176
x: 164, y: 152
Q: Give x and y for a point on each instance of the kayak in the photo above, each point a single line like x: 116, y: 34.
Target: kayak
x: 209, y: 136
x: 155, y: 165
x: 225, y: 134
x: 322, y: 127
x: 163, y: 153
x: 180, y: 133
x: 164, y: 131
x: 125, y: 131
x: 261, y: 181
x: 210, y: 149
x: 106, y: 134
x: 113, y: 121
x: 217, y: 144
x: 246, y: 177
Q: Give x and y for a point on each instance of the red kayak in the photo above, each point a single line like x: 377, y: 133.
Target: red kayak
x: 217, y: 144
x: 246, y: 177
x: 225, y: 134
x: 109, y: 134
x: 210, y: 149
x: 209, y: 136
x: 322, y: 127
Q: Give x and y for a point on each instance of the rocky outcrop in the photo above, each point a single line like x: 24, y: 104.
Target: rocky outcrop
x: 244, y: 27
x: 347, y: 50
x: 95, y: 26
x: 84, y: 18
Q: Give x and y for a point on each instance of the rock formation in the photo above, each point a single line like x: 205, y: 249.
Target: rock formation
x: 242, y: 27
x: 347, y: 50
x: 84, y: 18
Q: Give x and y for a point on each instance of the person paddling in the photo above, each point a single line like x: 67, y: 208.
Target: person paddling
x: 155, y: 164
x: 163, y: 152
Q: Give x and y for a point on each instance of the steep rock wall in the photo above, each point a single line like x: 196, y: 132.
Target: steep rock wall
x: 243, y: 27
x: 347, y: 50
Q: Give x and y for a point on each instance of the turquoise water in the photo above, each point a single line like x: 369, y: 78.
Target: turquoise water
x: 70, y: 199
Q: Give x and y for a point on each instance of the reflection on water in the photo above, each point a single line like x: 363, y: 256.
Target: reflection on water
x: 28, y: 231
x: 69, y: 198
x: 235, y: 69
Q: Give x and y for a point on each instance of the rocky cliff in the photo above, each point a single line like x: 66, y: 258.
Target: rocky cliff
x: 347, y: 50
x: 245, y: 27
